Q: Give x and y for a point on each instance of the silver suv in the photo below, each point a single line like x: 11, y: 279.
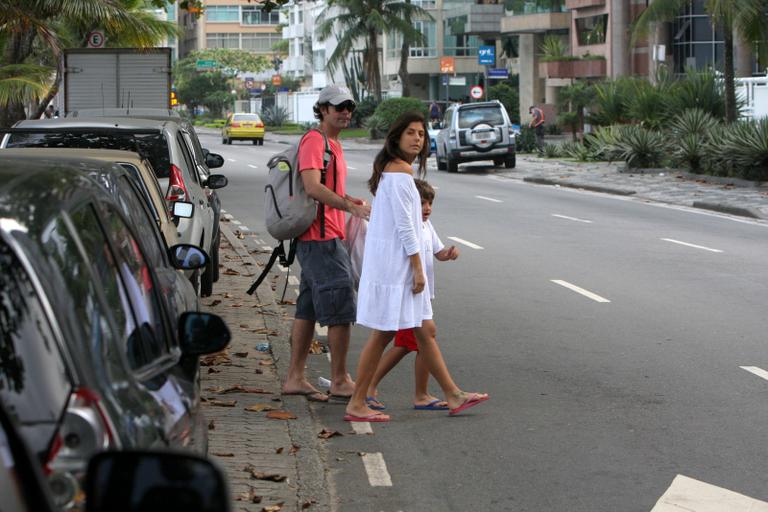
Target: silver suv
x: 475, y: 131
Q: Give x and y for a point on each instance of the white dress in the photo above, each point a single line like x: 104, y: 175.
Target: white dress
x: 385, y: 299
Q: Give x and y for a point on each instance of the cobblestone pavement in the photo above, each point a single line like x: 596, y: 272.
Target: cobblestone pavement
x: 269, y: 462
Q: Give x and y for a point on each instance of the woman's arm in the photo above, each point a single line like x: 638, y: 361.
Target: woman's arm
x: 419, y: 280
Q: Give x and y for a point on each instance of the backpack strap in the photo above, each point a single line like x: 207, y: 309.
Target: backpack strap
x: 327, y: 156
x: 278, y: 252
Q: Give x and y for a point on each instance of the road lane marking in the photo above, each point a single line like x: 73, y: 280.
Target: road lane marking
x: 321, y: 330
x: 461, y: 241
x: 691, y: 245
x: 595, y: 297
x: 571, y: 218
x: 231, y: 160
x: 293, y: 280
x: 229, y: 216
x: 361, y: 427
x: 378, y: 476
x: 351, y: 168
x: 235, y: 221
x: 223, y: 211
x: 244, y: 228
x: 253, y: 166
x: 489, y: 199
x: 687, y: 494
x: 756, y: 370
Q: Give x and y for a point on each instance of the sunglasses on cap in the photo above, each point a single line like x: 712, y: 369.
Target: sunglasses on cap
x: 345, y: 105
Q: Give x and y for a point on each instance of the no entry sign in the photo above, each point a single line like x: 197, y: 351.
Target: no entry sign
x: 476, y: 92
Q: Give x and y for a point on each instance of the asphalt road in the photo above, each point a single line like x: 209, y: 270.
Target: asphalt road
x: 610, y: 333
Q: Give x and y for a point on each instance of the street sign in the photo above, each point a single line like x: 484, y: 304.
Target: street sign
x: 96, y: 39
x: 447, y: 65
x: 457, y: 80
x: 249, y: 83
x: 486, y: 55
x: 277, y: 80
x: 205, y: 65
x: 498, y: 73
x: 444, y: 79
x: 476, y: 92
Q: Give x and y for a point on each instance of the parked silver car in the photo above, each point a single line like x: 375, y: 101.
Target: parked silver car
x: 167, y: 146
x: 475, y: 131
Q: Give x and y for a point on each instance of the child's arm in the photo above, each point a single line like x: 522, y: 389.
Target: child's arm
x: 447, y: 253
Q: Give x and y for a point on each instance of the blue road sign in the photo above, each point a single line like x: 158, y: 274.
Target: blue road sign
x: 444, y: 79
x: 486, y: 55
x: 498, y: 73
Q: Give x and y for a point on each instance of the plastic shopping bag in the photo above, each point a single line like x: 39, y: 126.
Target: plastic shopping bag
x: 355, y: 242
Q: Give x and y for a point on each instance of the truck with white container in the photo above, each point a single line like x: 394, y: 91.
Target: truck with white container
x: 116, y: 78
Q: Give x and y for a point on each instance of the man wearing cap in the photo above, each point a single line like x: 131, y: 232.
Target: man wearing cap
x: 326, y: 293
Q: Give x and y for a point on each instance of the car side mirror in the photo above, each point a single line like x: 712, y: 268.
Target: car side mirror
x: 202, y: 333
x: 214, y: 160
x: 187, y: 257
x: 183, y: 209
x: 135, y: 481
x: 215, y: 181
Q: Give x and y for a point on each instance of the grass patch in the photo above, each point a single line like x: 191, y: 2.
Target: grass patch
x: 349, y: 133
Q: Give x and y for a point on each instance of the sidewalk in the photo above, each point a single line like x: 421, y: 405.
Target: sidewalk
x: 271, y: 464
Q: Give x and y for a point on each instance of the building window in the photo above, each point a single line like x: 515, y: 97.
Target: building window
x: 694, y: 43
x: 591, y: 30
x: 301, y: 17
x: 456, y: 43
x: 218, y: 40
x: 252, y: 15
x: 318, y: 61
x: 222, y: 13
x: 427, y: 28
x: 261, y: 43
x: 424, y: 4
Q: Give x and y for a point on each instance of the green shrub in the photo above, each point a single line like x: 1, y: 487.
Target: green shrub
x: 646, y: 104
x: 274, y: 115
x: 699, y: 89
x: 364, y: 110
x: 551, y: 151
x: 610, y: 102
x: 526, y: 141
x: 605, y: 142
x: 389, y: 110
x: 508, y: 97
x: 745, y: 146
x: 692, y: 135
x: 576, y: 150
x: 642, y: 148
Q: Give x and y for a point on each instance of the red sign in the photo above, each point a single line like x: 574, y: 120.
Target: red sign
x: 277, y: 80
x: 476, y: 92
x: 447, y: 65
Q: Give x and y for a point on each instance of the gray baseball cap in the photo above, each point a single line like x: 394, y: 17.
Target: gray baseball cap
x: 334, y: 94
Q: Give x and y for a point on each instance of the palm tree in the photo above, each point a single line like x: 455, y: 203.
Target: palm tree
x: 746, y: 17
x: 34, y: 32
x: 405, y: 52
x: 365, y: 20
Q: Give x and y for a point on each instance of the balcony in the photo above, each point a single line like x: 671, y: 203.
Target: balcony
x: 580, y: 4
x: 535, y: 22
x: 589, y: 68
x: 480, y: 18
x: 293, y: 31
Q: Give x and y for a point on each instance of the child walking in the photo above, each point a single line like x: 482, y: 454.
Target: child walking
x: 405, y: 339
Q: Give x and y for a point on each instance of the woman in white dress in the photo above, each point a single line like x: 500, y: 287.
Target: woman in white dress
x: 393, y: 293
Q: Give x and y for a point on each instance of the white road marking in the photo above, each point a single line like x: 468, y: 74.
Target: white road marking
x: 489, y: 199
x: 297, y: 292
x: 282, y: 268
x: 321, y: 330
x: 689, y: 495
x: 231, y: 160
x: 756, y: 370
x: 351, y: 168
x: 361, y: 427
x: 229, y: 216
x: 244, y: 228
x: 223, y: 211
x: 253, y: 166
x: 571, y: 218
x: 378, y: 476
x: 266, y: 248
x: 691, y: 245
x: 259, y: 241
x: 293, y: 280
x: 461, y: 241
x: 235, y: 221
x: 582, y: 291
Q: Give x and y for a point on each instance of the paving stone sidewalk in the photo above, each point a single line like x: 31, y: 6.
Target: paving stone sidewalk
x: 271, y: 464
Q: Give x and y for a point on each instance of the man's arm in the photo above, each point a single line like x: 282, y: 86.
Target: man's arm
x: 319, y: 192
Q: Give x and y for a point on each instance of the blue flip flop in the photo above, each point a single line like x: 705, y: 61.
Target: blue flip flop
x: 373, y: 403
x: 432, y: 406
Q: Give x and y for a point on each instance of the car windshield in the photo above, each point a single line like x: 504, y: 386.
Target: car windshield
x: 246, y: 117
x: 469, y: 117
x: 151, y: 146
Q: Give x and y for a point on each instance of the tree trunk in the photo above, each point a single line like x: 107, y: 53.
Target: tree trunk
x: 403, y: 71
x: 51, y: 92
x: 730, y: 86
x: 374, y: 77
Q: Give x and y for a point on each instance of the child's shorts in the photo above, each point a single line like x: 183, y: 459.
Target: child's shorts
x: 407, y: 339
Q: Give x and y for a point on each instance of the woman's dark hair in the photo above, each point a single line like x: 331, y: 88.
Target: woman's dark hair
x: 391, y: 149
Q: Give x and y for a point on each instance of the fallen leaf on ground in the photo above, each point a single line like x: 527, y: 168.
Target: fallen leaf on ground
x: 308, y: 504
x: 279, y: 450
x: 281, y: 415
x: 238, y: 388
x: 225, y: 454
x: 265, y: 362
x: 214, y: 359
x: 213, y: 370
x: 227, y: 295
x: 240, y: 236
x: 287, y: 302
x: 326, y: 434
x: 214, y: 303
x: 260, y: 475
x: 240, y: 354
x: 236, y: 306
x: 211, y: 425
x: 223, y: 403
x: 273, y: 508
x: 316, y: 347
x: 247, y: 263
x: 294, y: 449
x: 259, y: 408
x: 250, y: 496
x: 244, y: 326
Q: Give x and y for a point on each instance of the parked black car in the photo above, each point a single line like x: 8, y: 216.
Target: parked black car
x: 92, y: 357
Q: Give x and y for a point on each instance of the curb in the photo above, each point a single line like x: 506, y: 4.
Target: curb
x: 313, y: 485
x: 583, y: 186
x: 724, y: 208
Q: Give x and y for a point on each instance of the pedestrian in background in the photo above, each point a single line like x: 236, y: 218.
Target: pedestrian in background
x: 537, y: 123
x: 393, y: 292
x: 48, y: 113
x: 326, y: 295
x: 434, y: 113
x: 405, y: 339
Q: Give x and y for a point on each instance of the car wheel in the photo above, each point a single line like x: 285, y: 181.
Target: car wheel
x: 440, y: 164
x: 509, y: 163
x: 261, y: 142
x: 453, y: 165
x: 223, y: 140
x: 255, y: 142
x: 498, y: 161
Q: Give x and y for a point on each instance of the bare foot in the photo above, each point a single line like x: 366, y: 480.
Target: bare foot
x: 429, y: 400
x: 344, y: 387
x: 304, y: 388
x: 458, y: 398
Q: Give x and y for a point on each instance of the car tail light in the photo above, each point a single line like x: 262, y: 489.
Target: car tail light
x: 85, y: 430
x: 259, y: 125
x: 177, y: 191
x: 235, y: 125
